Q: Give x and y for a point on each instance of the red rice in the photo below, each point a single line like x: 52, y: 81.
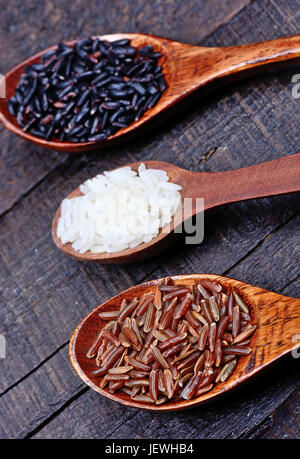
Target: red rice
x: 235, y: 321
x: 153, y: 384
x: 169, y: 384
x: 212, y: 336
x: 158, y: 356
x: 183, y: 306
x: 203, y: 337
x: 173, y: 342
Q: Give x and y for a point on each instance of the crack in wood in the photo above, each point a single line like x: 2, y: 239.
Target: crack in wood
x: 56, y: 413
x: 265, y: 239
x: 34, y: 369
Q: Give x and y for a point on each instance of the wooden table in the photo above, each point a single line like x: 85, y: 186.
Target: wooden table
x: 44, y: 294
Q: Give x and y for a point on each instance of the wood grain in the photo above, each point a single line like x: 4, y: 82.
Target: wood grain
x: 43, y: 294
x: 282, y: 423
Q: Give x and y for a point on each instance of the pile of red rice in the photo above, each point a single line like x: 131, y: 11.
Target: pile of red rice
x: 175, y: 342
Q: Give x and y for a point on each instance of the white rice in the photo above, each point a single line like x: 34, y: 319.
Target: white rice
x: 118, y: 210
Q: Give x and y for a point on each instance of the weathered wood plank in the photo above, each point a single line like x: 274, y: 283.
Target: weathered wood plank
x: 249, y: 405
x: 45, y: 392
x: 49, y: 384
x: 293, y: 288
x: 283, y: 422
x: 279, y: 269
x: 22, y: 167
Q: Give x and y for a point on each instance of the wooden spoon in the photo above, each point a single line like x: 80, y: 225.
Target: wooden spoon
x: 275, y: 177
x: 278, y: 326
x: 186, y: 68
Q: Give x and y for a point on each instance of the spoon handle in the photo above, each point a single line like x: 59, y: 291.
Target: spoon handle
x: 279, y: 176
x: 247, y: 58
x: 278, y: 326
x: 202, y: 65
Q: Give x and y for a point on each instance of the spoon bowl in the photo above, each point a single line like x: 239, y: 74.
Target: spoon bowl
x: 186, y: 68
x: 13, y: 76
x: 277, y: 319
x: 267, y: 179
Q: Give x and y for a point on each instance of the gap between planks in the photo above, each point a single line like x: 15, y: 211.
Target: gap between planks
x: 229, y: 19
x: 68, y: 162
x: 56, y: 413
x: 260, y: 243
x: 267, y: 423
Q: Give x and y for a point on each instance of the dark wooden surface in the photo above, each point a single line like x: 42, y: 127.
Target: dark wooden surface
x: 44, y: 294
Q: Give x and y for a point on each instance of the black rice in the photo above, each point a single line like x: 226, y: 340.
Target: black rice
x: 91, y: 81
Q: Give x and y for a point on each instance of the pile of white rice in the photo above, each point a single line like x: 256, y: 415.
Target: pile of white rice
x: 119, y: 209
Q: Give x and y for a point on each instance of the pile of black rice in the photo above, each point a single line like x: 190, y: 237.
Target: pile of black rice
x: 89, y: 91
